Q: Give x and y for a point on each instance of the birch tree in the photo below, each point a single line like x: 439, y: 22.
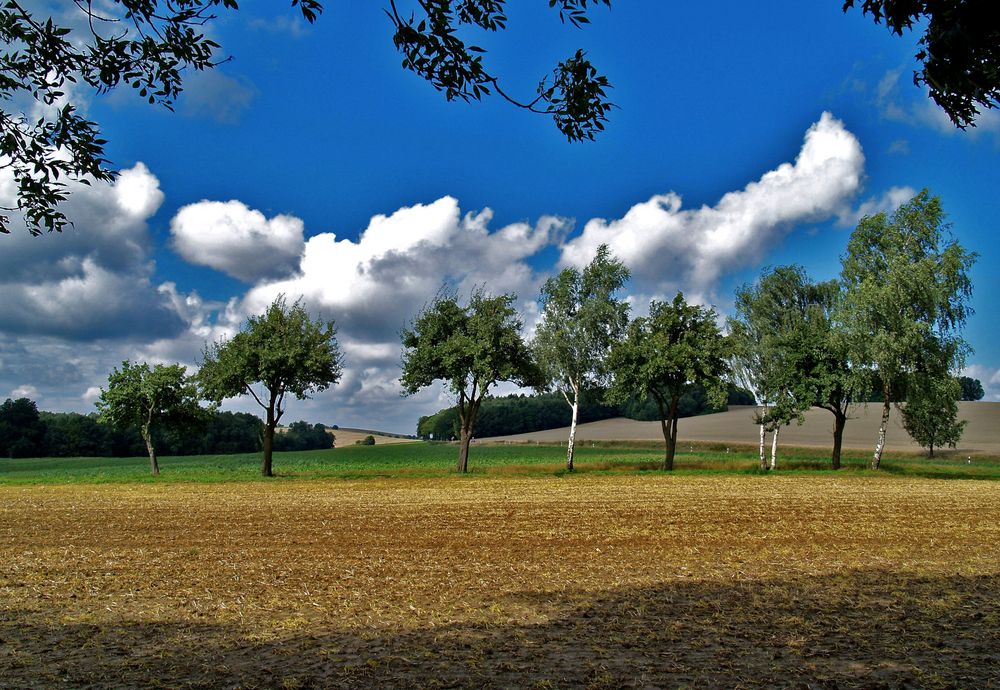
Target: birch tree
x: 581, y: 318
x: 678, y: 345
x: 906, y: 300
x: 279, y: 353
x: 149, y: 398
x: 471, y: 348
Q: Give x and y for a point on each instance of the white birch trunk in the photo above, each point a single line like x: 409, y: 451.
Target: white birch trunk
x: 572, y: 433
x: 774, y: 448
x: 763, y: 461
x: 877, y: 458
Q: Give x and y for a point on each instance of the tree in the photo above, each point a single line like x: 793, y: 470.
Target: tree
x: 676, y: 346
x: 797, y: 350
x: 907, y: 288
x: 768, y: 313
x: 580, y: 320
x: 22, y: 431
x: 470, y: 348
x: 959, y: 50
x: 149, y: 398
x: 930, y: 415
x: 283, y: 352
x: 970, y: 388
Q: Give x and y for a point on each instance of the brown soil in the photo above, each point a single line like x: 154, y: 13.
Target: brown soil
x: 981, y: 436
x: 588, y: 581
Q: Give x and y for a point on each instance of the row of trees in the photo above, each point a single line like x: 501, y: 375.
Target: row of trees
x: 891, y: 322
x: 277, y: 354
x: 584, y: 343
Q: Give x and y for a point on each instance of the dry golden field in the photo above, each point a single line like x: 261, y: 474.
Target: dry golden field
x: 587, y: 581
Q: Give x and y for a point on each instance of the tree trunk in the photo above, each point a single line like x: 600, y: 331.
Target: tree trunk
x: 147, y: 436
x: 774, y: 448
x: 664, y: 428
x: 572, y: 430
x: 877, y: 457
x: 265, y: 465
x: 467, y: 412
x: 763, y: 434
x: 668, y: 460
x: 839, y: 422
x: 465, y: 438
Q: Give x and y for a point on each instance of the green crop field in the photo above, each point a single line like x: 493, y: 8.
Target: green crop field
x: 437, y: 459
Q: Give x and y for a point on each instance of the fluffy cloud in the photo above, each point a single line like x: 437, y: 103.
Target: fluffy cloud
x: 94, y: 280
x: 374, y: 285
x: 668, y: 247
x: 237, y: 240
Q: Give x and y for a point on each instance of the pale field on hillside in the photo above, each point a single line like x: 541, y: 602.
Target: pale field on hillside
x: 981, y: 436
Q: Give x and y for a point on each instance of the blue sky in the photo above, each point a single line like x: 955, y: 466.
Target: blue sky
x: 745, y: 135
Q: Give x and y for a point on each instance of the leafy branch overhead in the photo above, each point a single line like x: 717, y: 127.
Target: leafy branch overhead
x: 959, y: 50
x: 146, y: 45
x: 574, y: 94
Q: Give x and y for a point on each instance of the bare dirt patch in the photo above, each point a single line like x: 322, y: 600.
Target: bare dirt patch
x: 547, y: 582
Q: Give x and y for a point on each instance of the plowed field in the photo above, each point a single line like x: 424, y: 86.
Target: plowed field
x: 634, y: 581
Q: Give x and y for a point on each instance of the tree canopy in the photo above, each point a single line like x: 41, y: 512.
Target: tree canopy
x: 22, y: 433
x: 678, y: 345
x: 148, y: 398
x: 907, y: 288
x: 581, y: 318
x: 278, y: 353
x: 469, y: 347
x: 930, y: 415
x: 959, y: 50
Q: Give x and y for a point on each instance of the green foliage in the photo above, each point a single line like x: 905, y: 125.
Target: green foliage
x: 470, y: 348
x: 303, y: 436
x: 971, y: 389
x: 22, y: 432
x: 150, y: 399
x: 959, y: 50
x: 147, y: 46
x: 368, y: 440
x: 930, y: 415
x: 663, y: 354
x: 575, y: 95
x: 907, y: 292
x: 581, y: 319
x: 284, y: 352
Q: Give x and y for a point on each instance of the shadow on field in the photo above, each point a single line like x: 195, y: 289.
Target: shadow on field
x: 866, y: 629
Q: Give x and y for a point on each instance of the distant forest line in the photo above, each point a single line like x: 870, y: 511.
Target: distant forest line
x: 26, y: 432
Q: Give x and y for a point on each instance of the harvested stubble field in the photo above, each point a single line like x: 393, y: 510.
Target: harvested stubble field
x: 585, y: 581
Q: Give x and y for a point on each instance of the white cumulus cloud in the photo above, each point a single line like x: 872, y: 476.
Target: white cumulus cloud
x: 669, y: 247
x: 237, y: 240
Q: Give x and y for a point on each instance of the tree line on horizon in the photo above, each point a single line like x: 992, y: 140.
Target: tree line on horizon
x: 27, y: 432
